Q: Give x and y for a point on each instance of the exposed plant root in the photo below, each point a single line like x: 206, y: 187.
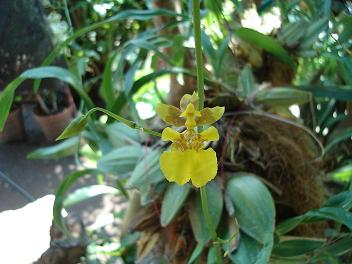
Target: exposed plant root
x: 282, y: 154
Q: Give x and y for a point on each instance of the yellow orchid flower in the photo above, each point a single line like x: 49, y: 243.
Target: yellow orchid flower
x: 187, y: 159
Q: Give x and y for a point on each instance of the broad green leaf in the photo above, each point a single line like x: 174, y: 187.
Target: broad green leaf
x: 119, y: 135
x: 173, y: 201
x: 255, y: 212
x: 250, y: 251
x: 88, y: 192
x: 62, y: 149
x: 120, y: 161
x: 60, y: 196
x: 196, y: 216
x: 266, y: 43
x: 147, y: 171
x: 282, y: 96
x: 326, y: 213
x: 296, y: 247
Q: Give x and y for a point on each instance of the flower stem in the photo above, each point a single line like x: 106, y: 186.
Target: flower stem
x: 199, y: 56
x: 200, y: 91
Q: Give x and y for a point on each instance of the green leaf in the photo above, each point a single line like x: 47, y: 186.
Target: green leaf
x: 295, y: 260
x: 343, y: 200
x: 250, y: 251
x: 75, y: 127
x: 119, y: 135
x: 332, y: 141
x: 292, y: 33
x: 147, y: 170
x: 211, y: 259
x: 338, y: 92
x: 107, y: 86
x: 121, y: 100
x: 296, y: 247
x: 312, y: 33
x: 6, y: 96
x: 61, y: 74
x: 60, y: 195
x: 346, y: 33
x: 173, y: 201
x: 246, y: 82
x: 60, y: 150
x: 133, y: 14
x: 282, y: 96
x: 88, y: 192
x: 339, y: 247
x: 196, y: 216
x: 209, y: 49
x: 196, y: 253
x: 120, y: 161
x: 78, y: 124
x: 326, y: 213
x: 345, y: 64
x: 266, y: 43
x: 342, y: 174
x: 255, y: 211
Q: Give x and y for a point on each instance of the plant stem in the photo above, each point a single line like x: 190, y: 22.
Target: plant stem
x: 200, y: 91
x: 126, y: 122
x: 199, y: 56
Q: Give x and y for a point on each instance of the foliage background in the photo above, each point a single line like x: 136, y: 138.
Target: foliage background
x: 283, y: 71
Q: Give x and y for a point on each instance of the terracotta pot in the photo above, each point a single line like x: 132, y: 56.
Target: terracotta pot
x: 70, y: 100
x: 54, y: 125
x: 14, y: 128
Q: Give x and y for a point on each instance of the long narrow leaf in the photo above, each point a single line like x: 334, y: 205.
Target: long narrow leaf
x: 60, y: 195
x: 266, y: 43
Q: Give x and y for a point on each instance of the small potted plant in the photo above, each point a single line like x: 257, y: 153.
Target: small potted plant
x: 14, y: 128
x: 53, y: 112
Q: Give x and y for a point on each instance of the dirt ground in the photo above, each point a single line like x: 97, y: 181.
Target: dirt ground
x: 40, y: 177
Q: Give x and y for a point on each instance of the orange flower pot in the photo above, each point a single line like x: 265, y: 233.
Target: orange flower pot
x: 54, y: 125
